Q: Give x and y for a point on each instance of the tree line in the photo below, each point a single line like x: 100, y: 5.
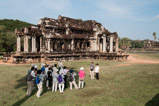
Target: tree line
x: 7, y: 34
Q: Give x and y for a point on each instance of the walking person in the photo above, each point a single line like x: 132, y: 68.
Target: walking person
x: 72, y: 79
x: 97, y: 71
x: 39, y: 82
x: 55, y: 81
x: 61, y: 82
x: 81, y: 77
x: 91, y: 70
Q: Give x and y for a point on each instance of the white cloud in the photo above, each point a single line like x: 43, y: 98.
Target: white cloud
x: 157, y: 16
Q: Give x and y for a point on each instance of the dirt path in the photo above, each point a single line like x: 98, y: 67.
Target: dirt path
x: 132, y: 59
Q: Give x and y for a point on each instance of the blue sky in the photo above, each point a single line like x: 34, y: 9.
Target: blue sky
x: 135, y: 19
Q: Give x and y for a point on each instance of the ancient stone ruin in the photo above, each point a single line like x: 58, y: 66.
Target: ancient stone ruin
x: 67, y: 39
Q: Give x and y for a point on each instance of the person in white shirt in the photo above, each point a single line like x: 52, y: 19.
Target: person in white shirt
x: 60, y: 64
x: 96, y: 70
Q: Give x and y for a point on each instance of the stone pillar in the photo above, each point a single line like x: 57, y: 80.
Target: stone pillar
x: 33, y: 44
x: 52, y: 45
x: 116, y: 45
x: 111, y: 44
x: 25, y: 43
x: 41, y: 44
x: 72, y: 44
x: 67, y: 31
x: 18, y: 44
x: 104, y: 43
x: 49, y: 42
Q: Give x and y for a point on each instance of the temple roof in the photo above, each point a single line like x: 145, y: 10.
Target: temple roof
x: 47, y: 26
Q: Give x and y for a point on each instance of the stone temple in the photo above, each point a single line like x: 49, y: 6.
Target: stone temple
x: 65, y: 39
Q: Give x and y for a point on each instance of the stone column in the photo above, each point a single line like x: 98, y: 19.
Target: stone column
x: 25, y: 43
x: 72, y: 44
x: 18, y: 44
x: 116, y: 45
x: 67, y: 31
x: 49, y: 41
x: 33, y: 44
x: 52, y: 45
x: 104, y: 43
x: 41, y: 44
x: 111, y: 44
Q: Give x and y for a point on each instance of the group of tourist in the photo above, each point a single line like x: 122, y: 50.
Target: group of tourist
x: 56, y: 76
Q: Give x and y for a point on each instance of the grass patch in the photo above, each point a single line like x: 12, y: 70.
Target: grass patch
x: 134, y: 85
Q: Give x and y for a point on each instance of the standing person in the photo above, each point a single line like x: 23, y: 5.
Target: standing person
x: 91, y: 69
x: 81, y: 77
x: 46, y: 75
x: 97, y: 71
x: 65, y: 75
x: 60, y: 64
x: 61, y: 82
x: 32, y: 69
x: 39, y: 82
x: 55, y: 69
x: 55, y: 81
x: 43, y: 67
x: 72, y: 79
x: 30, y: 81
x: 49, y: 77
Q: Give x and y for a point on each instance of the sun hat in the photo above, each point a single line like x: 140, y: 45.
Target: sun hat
x: 81, y: 68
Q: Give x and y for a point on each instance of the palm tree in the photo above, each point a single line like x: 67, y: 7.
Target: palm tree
x: 154, y: 35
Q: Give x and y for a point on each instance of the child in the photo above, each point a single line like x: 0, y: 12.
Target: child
x: 55, y: 81
x: 81, y: 77
x: 72, y: 79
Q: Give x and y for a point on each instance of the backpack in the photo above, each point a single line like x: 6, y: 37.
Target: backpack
x: 60, y: 79
x: 71, y: 78
x: 37, y: 80
x: 29, y: 77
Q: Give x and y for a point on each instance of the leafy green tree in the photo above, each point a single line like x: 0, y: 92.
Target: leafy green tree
x: 125, y: 43
x: 7, y: 34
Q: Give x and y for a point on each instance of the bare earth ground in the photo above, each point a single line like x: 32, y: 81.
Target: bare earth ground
x: 132, y: 59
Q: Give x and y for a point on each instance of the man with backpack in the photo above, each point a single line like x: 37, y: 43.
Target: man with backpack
x: 61, y: 82
x: 91, y: 70
x: 72, y: 79
x: 30, y: 81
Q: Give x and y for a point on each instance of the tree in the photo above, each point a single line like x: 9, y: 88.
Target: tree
x: 125, y: 43
x: 154, y: 35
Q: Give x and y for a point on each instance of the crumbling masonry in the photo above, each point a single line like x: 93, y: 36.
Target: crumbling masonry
x: 67, y: 39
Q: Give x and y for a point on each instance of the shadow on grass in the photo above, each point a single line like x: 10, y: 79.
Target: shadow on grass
x: 21, y: 83
x: 154, y: 101
x: 21, y: 101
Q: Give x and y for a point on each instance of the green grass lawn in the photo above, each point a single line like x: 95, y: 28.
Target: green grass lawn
x: 134, y: 85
